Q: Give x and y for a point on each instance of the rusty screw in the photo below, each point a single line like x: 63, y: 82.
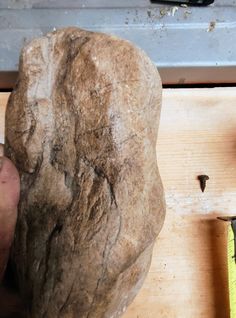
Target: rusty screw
x: 203, y: 179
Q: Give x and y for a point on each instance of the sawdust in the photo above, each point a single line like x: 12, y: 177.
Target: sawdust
x: 212, y: 26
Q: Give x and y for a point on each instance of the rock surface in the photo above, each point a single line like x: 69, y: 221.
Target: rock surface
x: 81, y: 127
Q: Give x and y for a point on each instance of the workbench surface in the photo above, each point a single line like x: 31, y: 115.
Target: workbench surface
x: 188, y: 275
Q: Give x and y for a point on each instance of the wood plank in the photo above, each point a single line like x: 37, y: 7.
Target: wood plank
x: 188, y: 275
x: 3, y: 102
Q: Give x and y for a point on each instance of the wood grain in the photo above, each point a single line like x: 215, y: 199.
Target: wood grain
x: 188, y: 276
x: 3, y: 102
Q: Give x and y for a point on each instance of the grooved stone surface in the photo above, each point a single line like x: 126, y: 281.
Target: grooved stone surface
x: 81, y: 127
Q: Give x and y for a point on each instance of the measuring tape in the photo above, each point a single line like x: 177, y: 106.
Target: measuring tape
x: 232, y: 271
x: 231, y: 255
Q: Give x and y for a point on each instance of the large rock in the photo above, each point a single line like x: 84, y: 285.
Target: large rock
x: 81, y: 127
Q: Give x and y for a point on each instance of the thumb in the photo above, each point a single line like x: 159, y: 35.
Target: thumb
x: 9, y: 197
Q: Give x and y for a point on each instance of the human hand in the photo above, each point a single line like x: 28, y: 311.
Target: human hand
x: 9, y: 198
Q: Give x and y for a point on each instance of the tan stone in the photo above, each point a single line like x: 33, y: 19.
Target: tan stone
x: 81, y: 127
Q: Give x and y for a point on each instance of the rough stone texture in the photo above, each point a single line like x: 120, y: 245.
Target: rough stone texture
x: 81, y: 127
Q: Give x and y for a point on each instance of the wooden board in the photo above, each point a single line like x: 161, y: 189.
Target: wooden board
x: 3, y: 102
x: 188, y: 275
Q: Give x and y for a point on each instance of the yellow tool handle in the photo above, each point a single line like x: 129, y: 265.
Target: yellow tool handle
x: 231, y: 272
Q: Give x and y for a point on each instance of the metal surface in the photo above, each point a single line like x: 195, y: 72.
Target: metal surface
x: 188, y: 2
x: 188, y: 45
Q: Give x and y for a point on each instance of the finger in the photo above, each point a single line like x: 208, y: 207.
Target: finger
x: 9, y: 197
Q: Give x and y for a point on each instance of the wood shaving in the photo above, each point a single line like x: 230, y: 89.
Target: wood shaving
x: 187, y: 13
x: 212, y: 26
x: 173, y: 11
x: 168, y: 12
